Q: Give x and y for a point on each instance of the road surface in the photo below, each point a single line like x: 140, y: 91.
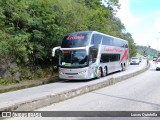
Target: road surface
x: 140, y: 93
x: 19, y: 96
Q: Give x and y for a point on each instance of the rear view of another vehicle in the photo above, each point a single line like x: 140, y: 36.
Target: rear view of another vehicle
x: 134, y: 61
x: 140, y: 59
x: 154, y: 58
x: 158, y: 64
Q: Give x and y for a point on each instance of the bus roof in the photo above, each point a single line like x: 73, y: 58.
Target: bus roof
x: 92, y: 32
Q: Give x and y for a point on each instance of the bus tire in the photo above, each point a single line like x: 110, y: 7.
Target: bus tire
x: 122, y: 67
x: 105, y: 71
x: 100, y: 73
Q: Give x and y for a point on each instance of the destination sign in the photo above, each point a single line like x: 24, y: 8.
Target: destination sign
x: 75, y: 37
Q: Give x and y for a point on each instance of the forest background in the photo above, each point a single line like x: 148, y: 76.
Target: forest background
x: 29, y: 29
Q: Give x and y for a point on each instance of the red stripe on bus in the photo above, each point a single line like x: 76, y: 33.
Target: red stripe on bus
x: 124, y: 56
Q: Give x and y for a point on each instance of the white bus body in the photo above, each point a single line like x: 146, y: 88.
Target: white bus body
x: 91, y: 54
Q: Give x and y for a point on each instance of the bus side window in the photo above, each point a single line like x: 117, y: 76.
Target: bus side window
x: 93, y: 54
x: 96, y: 40
x: 107, y: 40
x: 114, y: 57
x: 104, y: 58
x: 126, y: 46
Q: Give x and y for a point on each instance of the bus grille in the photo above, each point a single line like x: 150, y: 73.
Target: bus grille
x: 71, y: 73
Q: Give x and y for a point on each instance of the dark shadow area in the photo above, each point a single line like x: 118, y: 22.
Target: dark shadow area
x: 76, y: 81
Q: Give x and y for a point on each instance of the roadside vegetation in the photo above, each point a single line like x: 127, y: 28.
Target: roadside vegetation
x: 31, y: 28
x: 145, y: 50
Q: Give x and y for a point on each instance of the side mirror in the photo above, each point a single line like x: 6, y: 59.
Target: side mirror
x: 54, y: 50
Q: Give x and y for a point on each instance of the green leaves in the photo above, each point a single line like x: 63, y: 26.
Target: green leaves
x: 30, y: 29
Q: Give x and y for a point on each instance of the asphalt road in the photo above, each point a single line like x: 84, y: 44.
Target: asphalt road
x: 19, y: 96
x: 101, y: 100
x: 140, y: 93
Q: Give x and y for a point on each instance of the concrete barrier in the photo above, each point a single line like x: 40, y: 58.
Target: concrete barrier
x: 50, y: 99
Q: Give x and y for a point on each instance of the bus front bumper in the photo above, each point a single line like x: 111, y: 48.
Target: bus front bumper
x: 74, y: 76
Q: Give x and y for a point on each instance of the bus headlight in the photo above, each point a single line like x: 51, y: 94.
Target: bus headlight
x: 80, y: 73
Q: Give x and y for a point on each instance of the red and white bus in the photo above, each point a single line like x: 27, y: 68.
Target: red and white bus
x: 91, y: 54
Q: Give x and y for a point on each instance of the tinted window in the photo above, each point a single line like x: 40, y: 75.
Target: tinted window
x: 114, y: 57
x: 116, y: 43
x: 107, y: 40
x: 96, y: 40
x: 75, y: 58
x: 126, y: 46
x: 104, y: 58
x: 93, y: 54
x: 119, y: 43
x: 110, y: 58
x: 75, y: 40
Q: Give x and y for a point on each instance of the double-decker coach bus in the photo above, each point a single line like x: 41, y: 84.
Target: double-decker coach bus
x: 91, y: 54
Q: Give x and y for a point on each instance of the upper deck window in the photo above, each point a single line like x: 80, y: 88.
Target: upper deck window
x: 76, y: 40
x: 96, y: 40
x: 107, y: 40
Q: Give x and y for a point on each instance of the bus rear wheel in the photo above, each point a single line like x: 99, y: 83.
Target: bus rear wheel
x: 100, y: 73
x: 105, y: 72
x: 122, y: 67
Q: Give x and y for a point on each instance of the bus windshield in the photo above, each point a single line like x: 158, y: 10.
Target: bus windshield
x: 79, y: 39
x: 73, y: 58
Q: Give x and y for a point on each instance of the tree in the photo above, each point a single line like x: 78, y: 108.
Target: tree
x: 31, y: 28
x: 132, y: 45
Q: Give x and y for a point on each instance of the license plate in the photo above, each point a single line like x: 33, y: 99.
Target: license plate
x: 70, y: 77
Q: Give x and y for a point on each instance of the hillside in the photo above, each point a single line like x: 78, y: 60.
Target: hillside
x: 31, y: 28
x: 144, y: 50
